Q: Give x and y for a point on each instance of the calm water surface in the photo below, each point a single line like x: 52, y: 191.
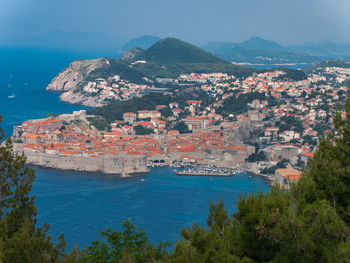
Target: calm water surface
x: 80, y: 204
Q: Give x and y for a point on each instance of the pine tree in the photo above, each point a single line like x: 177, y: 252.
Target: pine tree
x: 328, y: 176
x: 131, y: 245
x: 20, y: 239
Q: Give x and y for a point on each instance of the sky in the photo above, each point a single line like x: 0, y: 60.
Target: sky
x: 197, y: 21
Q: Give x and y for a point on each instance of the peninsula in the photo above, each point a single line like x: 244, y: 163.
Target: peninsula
x: 97, y: 82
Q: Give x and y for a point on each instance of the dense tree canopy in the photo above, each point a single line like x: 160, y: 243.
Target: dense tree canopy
x: 130, y: 245
x: 181, y: 127
x: 20, y: 239
x: 140, y: 130
x: 238, y: 104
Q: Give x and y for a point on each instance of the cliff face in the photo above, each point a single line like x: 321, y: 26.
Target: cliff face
x: 75, y: 73
x: 68, y: 80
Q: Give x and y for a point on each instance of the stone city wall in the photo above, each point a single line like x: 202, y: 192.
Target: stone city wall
x: 121, y: 164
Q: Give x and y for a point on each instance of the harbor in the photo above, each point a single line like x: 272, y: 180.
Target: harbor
x: 207, y: 171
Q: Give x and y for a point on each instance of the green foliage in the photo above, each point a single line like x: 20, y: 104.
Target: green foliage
x: 238, y: 105
x: 170, y: 57
x: 256, y: 157
x: 328, y: 177
x: 173, y: 70
x: 289, y: 123
x: 172, y: 50
x: 291, y: 75
x: 181, y: 127
x: 100, y: 123
x: 345, y: 83
x: 166, y: 112
x: 320, y: 128
x: 114, y: 111
x: 308, y: 139
x: 271, y: 170
x: 140, y: 130
x: 130, y: 245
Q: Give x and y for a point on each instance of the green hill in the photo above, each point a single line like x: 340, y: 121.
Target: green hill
x: 258, y: 43
x: 170, y: 57
x: 258, y: 50
x: 172, y: 50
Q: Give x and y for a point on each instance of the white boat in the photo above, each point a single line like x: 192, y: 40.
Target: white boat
x: 12, y: 96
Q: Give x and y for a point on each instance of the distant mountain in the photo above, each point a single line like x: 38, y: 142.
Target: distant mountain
x: 143, y: 42
x: 258, y: 43
x: 61, y: 39
x: 171, y: 50
x: 257, y: 50
x: 169, y: 57
x: 324, y: 48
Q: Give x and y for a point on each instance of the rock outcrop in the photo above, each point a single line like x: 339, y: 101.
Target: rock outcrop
x: 69, y: 79
x: 75, y: 73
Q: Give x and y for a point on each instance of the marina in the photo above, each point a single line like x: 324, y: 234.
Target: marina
x: 207, y: 171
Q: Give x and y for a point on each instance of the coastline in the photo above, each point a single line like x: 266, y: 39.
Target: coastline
x: 40, y: 161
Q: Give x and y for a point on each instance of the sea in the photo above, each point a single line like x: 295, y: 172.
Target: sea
x: 81, y: 204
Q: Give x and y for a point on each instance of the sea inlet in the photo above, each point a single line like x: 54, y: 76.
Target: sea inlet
x: 80, y: 204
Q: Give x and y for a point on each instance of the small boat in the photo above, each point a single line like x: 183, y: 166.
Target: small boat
x: 12, y: 96
x: 142, y: 180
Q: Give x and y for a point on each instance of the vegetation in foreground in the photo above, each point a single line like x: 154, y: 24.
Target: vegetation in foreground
x: 309, y: 223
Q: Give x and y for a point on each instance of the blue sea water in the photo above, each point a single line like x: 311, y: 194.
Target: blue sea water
x: 25, y: 73
x: 80, y: 204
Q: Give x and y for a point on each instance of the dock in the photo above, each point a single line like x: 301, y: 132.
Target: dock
x: 188, y: 173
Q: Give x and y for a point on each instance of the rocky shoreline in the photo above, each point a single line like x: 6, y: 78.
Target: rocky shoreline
x: 68, y: 80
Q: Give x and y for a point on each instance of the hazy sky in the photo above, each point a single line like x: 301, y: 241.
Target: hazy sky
x: 198, y: 21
